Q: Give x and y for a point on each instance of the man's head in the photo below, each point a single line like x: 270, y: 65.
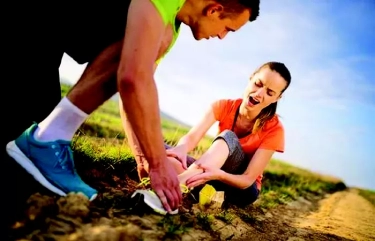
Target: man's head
x: 215, y: 18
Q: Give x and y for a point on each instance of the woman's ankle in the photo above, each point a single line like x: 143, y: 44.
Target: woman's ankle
x: 188, y: 173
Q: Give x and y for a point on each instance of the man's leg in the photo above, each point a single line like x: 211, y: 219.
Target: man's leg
x: 32, y: 55
x: 44, y: 150
x: 30, y: 72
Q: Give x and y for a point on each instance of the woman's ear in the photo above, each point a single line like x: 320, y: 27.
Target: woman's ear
x: 278, y: 98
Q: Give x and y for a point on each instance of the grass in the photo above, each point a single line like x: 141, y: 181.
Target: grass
x: 368, y: 194
x: 101, y: 142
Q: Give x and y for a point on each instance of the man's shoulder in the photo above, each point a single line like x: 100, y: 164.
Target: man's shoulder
x: 168, y: 9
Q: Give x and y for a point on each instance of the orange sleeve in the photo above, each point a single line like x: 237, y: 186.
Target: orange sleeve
x: 218, y: 108
x: 274, y: 139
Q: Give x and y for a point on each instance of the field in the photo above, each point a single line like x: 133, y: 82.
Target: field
x: 104, y: 161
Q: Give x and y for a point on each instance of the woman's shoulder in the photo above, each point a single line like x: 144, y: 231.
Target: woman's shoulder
x: 274, y: 124
x: 227, y: 103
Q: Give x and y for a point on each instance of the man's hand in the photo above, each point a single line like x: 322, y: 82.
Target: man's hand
x: 139, y: 95
x: 209, y: 173
x: 165, y: 183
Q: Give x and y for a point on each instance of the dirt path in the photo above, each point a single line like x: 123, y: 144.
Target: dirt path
x: 341, y: 216
x: 345, y: 214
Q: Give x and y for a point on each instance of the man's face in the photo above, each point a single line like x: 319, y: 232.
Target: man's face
x: 211, y: 25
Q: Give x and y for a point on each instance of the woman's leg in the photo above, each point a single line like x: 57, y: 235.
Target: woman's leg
x: 239, y: 197
x: 225, y: 153
x: 178, y: 166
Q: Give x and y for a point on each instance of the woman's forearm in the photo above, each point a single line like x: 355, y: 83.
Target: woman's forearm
x: 187, y: 143
x: 239, y: 181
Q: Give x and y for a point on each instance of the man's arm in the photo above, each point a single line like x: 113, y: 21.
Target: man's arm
x: 133, y: 142
x: 144, y: 32
x: 136, y: 83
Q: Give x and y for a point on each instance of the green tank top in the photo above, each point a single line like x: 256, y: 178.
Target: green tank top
x: 168, y: 10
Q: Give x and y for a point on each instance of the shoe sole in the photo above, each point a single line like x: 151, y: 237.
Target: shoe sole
x: 13, y: 151
x: 154, y: 207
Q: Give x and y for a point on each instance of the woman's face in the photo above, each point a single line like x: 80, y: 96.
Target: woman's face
x: 263, y: 89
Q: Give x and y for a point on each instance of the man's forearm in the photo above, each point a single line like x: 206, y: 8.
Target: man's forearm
x: 129, y: 132
x: 140, y: 102
x: 130, y: 135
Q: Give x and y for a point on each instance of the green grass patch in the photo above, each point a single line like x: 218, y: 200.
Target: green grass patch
x: 368, y: 194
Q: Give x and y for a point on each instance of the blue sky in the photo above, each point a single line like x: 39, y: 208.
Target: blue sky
x: 328, y: 111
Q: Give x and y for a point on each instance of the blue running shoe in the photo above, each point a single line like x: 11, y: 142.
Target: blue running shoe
x: 50, y: 163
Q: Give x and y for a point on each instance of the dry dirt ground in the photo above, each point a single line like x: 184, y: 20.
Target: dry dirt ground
x: 341, y: 216
x: 113, y: 216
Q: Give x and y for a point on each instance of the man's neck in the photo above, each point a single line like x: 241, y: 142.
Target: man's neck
x: 189, y: 12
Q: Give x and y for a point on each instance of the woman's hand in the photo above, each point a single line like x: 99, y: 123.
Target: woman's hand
x: 180, y: 153
x: 209, y: 173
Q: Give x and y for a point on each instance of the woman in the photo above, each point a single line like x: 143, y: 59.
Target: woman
x: 250, y: 132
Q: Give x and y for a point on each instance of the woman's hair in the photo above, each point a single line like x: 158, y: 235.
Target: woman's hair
x: 270, y: 111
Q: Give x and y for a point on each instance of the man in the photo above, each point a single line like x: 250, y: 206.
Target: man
x: 122, y: 44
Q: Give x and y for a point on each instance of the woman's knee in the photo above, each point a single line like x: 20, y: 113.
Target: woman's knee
x: 236, y: 161
x: 232, y: 141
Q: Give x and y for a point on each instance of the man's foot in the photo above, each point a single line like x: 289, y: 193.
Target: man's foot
x: 50, y: 163
x: 152, y: 199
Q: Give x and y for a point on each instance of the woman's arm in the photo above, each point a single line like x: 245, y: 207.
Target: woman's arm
x: 255, y: 168
x: 192, y: 138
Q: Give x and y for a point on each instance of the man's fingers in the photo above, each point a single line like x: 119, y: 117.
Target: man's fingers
x: 172, y: 202
x: 178, y: 195
x: 163, y: 200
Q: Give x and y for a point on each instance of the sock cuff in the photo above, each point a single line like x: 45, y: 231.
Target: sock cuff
x: 68, y: 104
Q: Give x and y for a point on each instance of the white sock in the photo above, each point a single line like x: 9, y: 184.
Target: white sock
x: 62, y: 123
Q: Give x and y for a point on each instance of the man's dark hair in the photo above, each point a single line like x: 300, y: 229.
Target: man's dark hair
x: 234, y: 7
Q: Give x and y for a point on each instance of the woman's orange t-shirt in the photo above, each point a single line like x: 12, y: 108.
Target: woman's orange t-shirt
x: 270, y: 137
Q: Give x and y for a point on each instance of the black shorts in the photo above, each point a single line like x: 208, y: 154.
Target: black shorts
x: 35, y: 37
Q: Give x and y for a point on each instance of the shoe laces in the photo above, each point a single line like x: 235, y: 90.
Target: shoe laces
x: 64, y: 156
x: 146, y: 181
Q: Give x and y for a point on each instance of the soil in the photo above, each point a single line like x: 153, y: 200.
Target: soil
x: 114, y: 216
